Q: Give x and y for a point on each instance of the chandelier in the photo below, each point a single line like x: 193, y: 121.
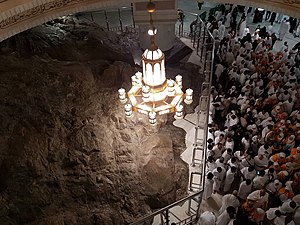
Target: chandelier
x: 151, y: 93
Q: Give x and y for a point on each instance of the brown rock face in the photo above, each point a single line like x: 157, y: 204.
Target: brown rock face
x: 67, y: 154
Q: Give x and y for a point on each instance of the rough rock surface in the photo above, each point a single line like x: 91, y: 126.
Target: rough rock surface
x: 67, y: 154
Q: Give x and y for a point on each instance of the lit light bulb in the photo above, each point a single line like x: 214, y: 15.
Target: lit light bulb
x: 188, y: 96
x: 133, y: 80
x: 179, y: 112
x: 178, y: 79
x: 152, y: 118
x: 171, y: 89
x: 128, y: 110
x: 122, y: 95
x: 146, y: 92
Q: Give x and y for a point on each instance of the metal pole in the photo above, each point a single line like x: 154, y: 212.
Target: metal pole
x: 120, y: 20
x: 198, y: 45
x: 181, y: 28
x: 132, y: 15
x: 167, y: 217
x: 92, y: 16
x: 189, y: 207
x: 106, y: 19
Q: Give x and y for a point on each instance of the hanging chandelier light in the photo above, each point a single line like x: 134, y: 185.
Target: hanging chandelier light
x: 151, y: 93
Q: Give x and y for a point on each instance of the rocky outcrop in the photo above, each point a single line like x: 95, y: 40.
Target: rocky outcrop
x: 67, y: 154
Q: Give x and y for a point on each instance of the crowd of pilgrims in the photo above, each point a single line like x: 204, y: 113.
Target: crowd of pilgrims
x: 253, y: 150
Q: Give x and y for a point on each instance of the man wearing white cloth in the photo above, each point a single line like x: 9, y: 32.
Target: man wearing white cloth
x: 275, y: 216
x: 219, y: 175
x: 289, y: 206
x: 230, y: 174
x: 284, y: 27
x: 226, y: 216
x: 245, y: 189
x: 260, y: 198
x: 208, y: 186
x: 248, y: 173
x: 207, y: 218
x: 229, y: 200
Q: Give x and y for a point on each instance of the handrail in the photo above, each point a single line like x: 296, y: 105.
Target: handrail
x: 179, y: 202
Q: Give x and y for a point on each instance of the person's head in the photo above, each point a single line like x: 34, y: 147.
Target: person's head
x: 219, y: 169
x: 251, y: 168
x: 262, y: 192
x: 233, y: 169
x: 250, y: 203
x: 233, y: 159
x: 230, y: 210
x: 276, y: 182
x: 248, y: 181
x: 229, y: 150
x: 210, y: 176
x: 210, y: 140
x: 261, y: 173
x: 210, y: 159
x: 221, y: 159
x: 271, y: 170
x: 293, y: 204
x: 277, y: 213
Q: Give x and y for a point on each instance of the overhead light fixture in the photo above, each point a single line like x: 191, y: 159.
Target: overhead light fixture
x: 151, y: 93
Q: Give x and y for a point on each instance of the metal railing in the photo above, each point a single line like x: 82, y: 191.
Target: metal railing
x: 167, y: 216
x: 106, y: 19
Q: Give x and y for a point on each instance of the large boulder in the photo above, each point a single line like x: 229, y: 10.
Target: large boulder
x: 67, y: 153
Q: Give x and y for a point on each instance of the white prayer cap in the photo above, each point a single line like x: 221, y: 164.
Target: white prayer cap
x: 276, y: 182
x: 288, y: 121
x: 298, y: 148
x: 297, y: 124
x: 282, y: 121
x: 281, y: 155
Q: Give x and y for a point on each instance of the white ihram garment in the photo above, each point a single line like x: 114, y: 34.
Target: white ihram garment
x: 229, y: 200
x: 208, y: 189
